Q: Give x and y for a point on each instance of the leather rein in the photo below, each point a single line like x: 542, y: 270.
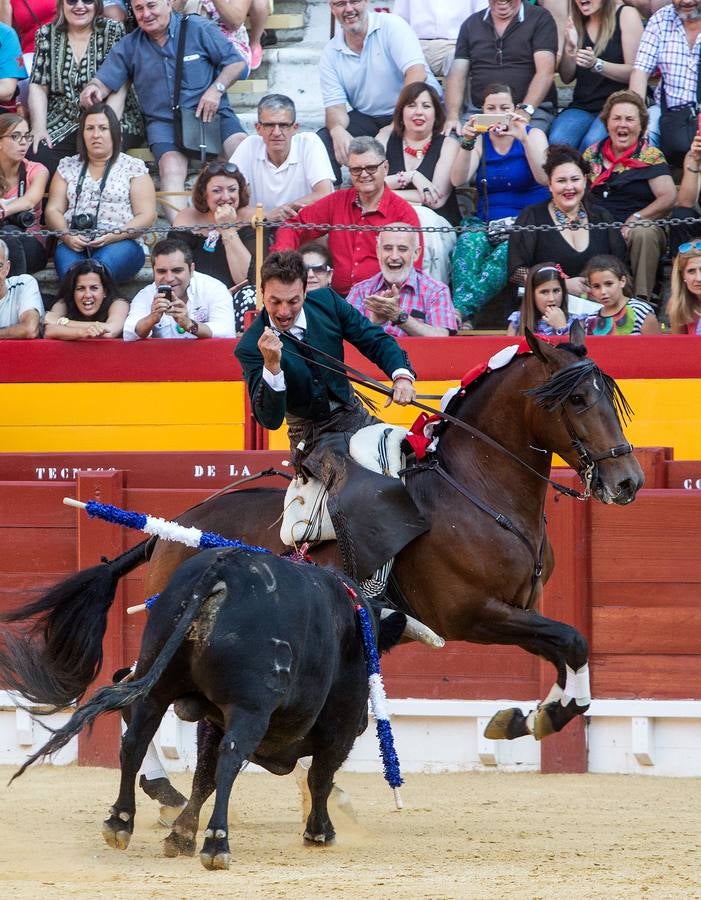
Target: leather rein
x: 588, y: 462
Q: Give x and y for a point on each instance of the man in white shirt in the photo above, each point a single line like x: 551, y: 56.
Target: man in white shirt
x: 285, y: 170
x: 437, y: 25
x: 181, y: 303
x: 21, y: 307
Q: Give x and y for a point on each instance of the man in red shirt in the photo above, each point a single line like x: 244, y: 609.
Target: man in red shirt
x: 368, y: 202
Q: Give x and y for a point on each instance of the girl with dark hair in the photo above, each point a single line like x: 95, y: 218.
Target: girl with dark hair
x: 100, y: 193
x: 22, y: 187
x: 221, y: 246
x: 610, y: 284
x: 544, y: 305
x: 507, y: 164
x: 88, y: 305
x: 68, y: 53
x: 571, y: 242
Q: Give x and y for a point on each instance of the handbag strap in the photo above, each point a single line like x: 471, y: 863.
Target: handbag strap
x: 180, y: 53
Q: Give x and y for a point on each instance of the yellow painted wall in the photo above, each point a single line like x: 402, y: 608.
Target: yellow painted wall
x: 210, y: 416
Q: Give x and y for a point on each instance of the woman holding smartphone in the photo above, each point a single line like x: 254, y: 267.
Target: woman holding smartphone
x: 506, y: 162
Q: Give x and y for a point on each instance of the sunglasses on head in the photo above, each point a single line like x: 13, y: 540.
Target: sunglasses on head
x: 222, y: 168
x: 689, y: 245
x: 318, y: 269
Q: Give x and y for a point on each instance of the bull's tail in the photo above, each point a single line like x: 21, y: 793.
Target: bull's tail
x: 117, y: 696
x: 53, y: 658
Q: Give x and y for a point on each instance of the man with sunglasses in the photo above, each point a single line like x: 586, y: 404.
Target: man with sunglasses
x: 147, y: 57
x: 363, y: 68
x: 368, y: 202
x: 286, y: 170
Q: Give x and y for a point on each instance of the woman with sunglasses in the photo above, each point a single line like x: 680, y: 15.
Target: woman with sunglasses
x: 22, y: 187
x: 222, y: 246
x: 684, y: 304
x: 88, y: 305
x: 319, y: 265
x: 68, y: 53
x: 104, y: 197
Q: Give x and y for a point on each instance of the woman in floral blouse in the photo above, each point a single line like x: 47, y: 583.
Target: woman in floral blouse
x: 68, y: 53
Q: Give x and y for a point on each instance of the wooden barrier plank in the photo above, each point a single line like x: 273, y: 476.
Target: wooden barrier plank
x: 684, y: 474
x: 652, y: 630
x: 653, y: 539
x: 46, y: 510
x: 666, y: 595
x: 36, y: 550
x: 662, y: 677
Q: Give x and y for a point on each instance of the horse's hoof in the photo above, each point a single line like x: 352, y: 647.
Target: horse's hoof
x: 319, y: 840
x: 218, y: 861
x: 118, y: 839
x: 543, y: 725
x: 179, y: 845
x: 506, y: 725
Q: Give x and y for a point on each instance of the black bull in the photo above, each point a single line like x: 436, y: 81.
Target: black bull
x: 270, y: 651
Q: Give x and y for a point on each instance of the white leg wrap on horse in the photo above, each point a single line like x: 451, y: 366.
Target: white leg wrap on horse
x: 577, y: 685
x: 556, y: 693
x: 152, y: 767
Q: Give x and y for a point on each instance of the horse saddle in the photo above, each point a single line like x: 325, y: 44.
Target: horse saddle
x: 350, y: 491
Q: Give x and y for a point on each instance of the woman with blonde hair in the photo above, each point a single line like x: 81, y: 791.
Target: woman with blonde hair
x: 684, y: 304
x: 600, y: 42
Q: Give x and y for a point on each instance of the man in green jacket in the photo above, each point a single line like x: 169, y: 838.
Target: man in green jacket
x: 289, y: 381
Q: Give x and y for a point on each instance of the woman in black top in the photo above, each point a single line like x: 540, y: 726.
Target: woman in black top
x: 599, y: 51
x: 221, y: 245
x: 419, y: 156
x: 569, y: 208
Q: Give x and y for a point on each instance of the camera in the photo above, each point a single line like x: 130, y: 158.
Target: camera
x: 83, y: 222
x: 23, y: 220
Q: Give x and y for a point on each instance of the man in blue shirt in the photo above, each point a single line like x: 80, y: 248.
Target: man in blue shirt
x: 147, y: 58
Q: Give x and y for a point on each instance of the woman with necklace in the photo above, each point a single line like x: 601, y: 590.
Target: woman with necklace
x: 68, y: 53
x: 22, y: 187
x: 105, y: 196
x: 507, y: 164
x: 572, y: 243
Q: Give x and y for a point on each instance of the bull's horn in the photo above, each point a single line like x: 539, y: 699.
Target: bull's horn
x: 417, y: 631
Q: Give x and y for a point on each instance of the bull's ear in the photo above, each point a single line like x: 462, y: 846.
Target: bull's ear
x: 535, y: 345
x: 577, y: 333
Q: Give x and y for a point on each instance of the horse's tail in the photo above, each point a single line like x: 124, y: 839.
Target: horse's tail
x: 117, y: 696
x: 59, y: 653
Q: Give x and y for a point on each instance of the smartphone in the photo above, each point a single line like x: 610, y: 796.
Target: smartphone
x: 166, y: 290
x: 484, y: 121
x: 698, y: 125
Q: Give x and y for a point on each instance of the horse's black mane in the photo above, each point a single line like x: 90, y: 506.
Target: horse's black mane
x: 560, y: 386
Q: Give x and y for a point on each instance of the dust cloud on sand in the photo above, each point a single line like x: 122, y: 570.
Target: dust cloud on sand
x: 490, y: 835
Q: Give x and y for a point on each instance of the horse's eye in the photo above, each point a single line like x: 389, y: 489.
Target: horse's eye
x: 577, y: 400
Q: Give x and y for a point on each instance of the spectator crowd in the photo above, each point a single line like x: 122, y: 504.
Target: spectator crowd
x: 444, y: 148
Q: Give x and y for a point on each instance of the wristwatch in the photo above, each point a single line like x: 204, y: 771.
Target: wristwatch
x: 194, y: 328
x: 64, y: 320
x: 220, y: 87
x: 598, y: 66
x: 526, y: 107
x: 401, y: 319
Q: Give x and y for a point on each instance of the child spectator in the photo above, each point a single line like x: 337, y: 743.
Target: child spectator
x: 22, y: 187
x: 684, y: 304
x: 88, y: 305
x: 101, y: 192
x: 544, y: 305
x: 68, y: 53
x: 621, y: 313
x: 600, y: 42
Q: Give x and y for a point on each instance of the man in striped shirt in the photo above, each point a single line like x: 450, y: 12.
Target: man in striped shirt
x: 402, y: 299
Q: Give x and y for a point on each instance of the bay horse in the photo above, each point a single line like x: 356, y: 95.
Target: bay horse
x: 475, y: 576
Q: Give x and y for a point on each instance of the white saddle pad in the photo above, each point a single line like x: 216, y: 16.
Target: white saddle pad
x: 305, y: 516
